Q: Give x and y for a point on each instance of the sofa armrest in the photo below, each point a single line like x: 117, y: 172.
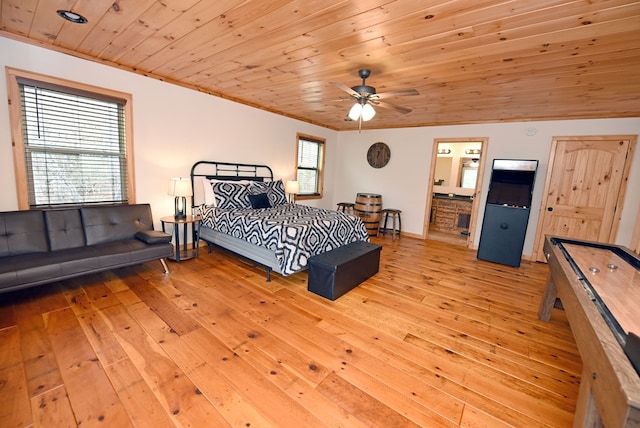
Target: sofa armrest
x: 153, y: 237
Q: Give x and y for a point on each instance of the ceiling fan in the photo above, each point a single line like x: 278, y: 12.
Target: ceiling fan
x: 365, y: 97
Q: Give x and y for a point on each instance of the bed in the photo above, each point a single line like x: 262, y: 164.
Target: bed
x: 245, y: 211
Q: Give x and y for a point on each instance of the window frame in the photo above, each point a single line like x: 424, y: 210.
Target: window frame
x: 320, y: 168
x: 16, y: 125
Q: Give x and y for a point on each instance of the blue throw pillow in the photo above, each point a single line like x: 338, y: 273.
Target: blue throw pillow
x: 260, y: 200
x: 273, y: 189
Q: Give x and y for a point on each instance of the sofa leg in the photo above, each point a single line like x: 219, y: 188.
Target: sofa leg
x: 164, y: 265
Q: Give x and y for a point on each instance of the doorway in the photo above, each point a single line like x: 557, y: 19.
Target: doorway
x: 457, y: 167
x: 584, y: 189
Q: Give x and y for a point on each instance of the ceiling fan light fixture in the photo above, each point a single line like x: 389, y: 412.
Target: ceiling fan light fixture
x: 367, y: 112
x: 365, y: 97
x: 356, y: 110
x: 361, y: 110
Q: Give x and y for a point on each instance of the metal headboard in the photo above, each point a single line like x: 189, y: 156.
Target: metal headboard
x: 228, y: 171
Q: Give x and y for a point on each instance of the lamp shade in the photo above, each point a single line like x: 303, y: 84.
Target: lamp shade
x: 292, y: 186
x: 180, y: 187
x: 354, y: 113
x: 367, y: 112
x: 362, y: 109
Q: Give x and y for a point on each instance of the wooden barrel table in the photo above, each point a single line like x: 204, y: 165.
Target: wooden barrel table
x: 368, y: 207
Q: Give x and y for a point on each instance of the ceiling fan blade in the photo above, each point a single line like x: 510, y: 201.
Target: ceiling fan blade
x: 402, y: 93
x: 347, y: 89
x: 399, y: 109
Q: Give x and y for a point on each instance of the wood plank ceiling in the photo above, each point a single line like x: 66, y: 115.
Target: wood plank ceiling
x: 471, y: 61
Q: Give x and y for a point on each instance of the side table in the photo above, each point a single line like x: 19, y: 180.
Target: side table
x: 185, y: 253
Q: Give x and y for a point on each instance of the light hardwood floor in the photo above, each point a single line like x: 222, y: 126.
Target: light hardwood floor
x: 436, y: 338
x: 436, y: 235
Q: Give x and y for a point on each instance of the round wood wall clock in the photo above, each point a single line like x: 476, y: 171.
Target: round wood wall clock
x: 378, y: 155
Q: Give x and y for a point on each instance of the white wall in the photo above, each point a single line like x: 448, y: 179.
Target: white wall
x: 173, y: 127
x: 403, y: 183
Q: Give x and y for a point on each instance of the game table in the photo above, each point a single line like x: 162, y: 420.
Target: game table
x: 598, y: 286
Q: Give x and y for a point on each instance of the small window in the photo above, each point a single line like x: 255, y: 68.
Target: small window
x: 309, y: 168
x: 73, y: 147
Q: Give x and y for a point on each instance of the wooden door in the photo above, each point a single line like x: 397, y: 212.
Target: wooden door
x: 585, y: 185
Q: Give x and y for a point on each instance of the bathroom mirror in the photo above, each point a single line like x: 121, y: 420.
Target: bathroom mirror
x: 468, y: 173
x: 456, y: 168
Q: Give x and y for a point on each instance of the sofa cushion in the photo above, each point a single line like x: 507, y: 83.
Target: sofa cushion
x: 48, y: 267
x: 109, y: 224
x: 130, y: 251
x: 64, y: 229
x: 26, y: 269
x: 153, y: 237
x: 22, y: 232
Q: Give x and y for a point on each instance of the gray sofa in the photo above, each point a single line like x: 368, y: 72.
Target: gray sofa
x: 42, y: 246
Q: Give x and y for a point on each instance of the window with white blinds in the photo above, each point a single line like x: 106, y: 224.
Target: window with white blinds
x: 309, y: 171
x: 74, y: 143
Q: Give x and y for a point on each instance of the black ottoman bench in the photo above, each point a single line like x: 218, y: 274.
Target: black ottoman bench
x: 335, y: 272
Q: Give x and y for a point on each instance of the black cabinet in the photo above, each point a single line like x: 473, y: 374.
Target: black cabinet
x: 507, y: 211
x: 503, y: 232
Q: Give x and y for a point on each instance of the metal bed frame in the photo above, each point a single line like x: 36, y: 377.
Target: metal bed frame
x: 260, y: 256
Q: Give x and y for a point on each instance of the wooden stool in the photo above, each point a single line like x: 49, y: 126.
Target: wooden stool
x: 395, y: 214
x: 346, y: 207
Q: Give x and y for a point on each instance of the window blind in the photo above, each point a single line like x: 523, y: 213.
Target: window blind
x: 309, y: 157
x: 75, y: 148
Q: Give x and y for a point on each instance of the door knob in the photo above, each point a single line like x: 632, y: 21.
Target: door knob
x: 550, y: 209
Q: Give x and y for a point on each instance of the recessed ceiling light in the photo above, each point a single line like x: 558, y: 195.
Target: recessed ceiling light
x: 72, y: 17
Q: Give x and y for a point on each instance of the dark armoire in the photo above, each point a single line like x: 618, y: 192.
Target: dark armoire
x: 507, y: 210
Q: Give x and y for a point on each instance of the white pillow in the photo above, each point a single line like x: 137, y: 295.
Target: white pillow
x: 209, y: 196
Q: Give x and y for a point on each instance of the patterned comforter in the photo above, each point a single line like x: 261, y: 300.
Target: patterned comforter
x: 294, y: 232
